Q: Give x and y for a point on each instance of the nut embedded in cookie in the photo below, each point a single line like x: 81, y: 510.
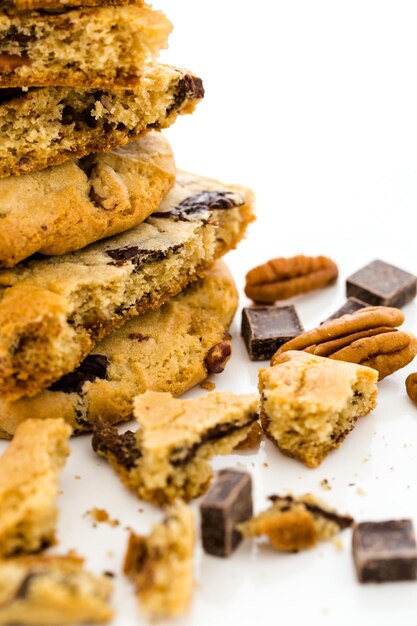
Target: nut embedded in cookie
x: 29, y: 485
x: 295, y: 523
x: 367, y: 337
x: 161, y: 564
x: 309, y: 404
x: 282, y: 278
x: 167, y: 457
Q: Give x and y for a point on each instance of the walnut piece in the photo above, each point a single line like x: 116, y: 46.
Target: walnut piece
x: 217, y: 357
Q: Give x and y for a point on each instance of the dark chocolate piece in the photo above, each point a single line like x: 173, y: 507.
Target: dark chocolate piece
x: 385, y: 551
x: 196, y: 207
x: 140, y: 256
x: 350, y: 306
x: 94, y: 366
x: 188, y: 87
x: 106, y: 439
x: 266, y: 328
x: 226, y: 504
x: 381, y: 284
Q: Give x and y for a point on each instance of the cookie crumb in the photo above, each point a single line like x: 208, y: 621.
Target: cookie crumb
x: 207, y: 385
x: 266, y: 464
x: 77, y: 477
x: 101, y: 516
x: 360, y: 491
x: 336, y: 541
x: 324, y: 484
x: 109, y: 574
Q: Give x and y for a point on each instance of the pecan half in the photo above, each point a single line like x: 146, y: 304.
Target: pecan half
x: 217, y: 357
x: 283, y: 278
x: 367, y: 337
x: 411, y: 387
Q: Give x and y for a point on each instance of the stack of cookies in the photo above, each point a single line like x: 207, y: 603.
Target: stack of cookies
x: 107, y: 252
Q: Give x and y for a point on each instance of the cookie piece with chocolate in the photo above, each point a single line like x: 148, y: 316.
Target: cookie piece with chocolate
x: 161, y: 564
x: 72, y: 123
x: 54, y: 311
x: 45, y: 590
x: 166, y: 458
x: 90, y: 48
x: 309, y: 404
x: 164, y: 350
x: 296, y: 523
x: 64, y: 208
x: 30, y: 470
x: 30, y: 5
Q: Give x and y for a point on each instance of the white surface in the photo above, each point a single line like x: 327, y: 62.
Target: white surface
x: 313, y: 104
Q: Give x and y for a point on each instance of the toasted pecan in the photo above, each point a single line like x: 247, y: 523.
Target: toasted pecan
x: 411, y: 387
x: 367, y: 337
x: 282, y: 278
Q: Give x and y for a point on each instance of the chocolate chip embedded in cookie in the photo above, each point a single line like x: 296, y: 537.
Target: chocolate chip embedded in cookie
x: 296, y: 523
x: 161, y: 564
x: 284, y: 278
x: 368, y: 337
x: 45, y: 590
x: 29, y: 484
x: 309, y: 404
x: 167, y: 456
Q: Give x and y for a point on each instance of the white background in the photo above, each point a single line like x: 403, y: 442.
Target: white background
x: 313, y: 104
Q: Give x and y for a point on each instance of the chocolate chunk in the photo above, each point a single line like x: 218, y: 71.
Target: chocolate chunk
x: 94, y: 366
x: 106, y: 439
x: 140, y: 256
x: 23, y: 590
x: 350, y: 306
x: 266, y: 328
x: 382, y: 284
x: 385, y: 551
x: 190, y: 87
x: 196, y: 207
x: 226, y: 504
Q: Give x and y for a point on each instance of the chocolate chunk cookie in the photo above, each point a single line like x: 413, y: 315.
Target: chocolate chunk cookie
x: 54, y: 311
x: 162, y: 350
x: 66, y: 207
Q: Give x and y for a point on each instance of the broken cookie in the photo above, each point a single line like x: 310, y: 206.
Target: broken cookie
x: 29, y: 484
x: 167, y: 456
x: 309, y: 404
x: 52, y: 590
x: 294, y: 524
x: 161, y: 565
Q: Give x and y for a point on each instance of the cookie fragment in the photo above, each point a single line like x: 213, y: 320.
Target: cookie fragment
x: 385, y: 551
x: 266, y: 328
x: 226, y: 504
x: 309, y: 404
x: 380, y: 283
x: 161, y: 564
x: 296, y: 523
x: 46, y: 590
x: 29, y: 484
x: 167, y: 456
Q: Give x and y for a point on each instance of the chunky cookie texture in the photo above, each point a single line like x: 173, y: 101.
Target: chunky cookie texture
x: 162, y: 350
x: 61, y: 209
x: 51, y: 590
x: 28, y: 5
x: 310, y: 404
x: 87, y: 47
x: 48, y: 126
x: 161, y: 564
x: 29, y: 483
x: 167, y: 456
x: 296, y: 523
x: 54, y: 311
x: 368, y: 337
